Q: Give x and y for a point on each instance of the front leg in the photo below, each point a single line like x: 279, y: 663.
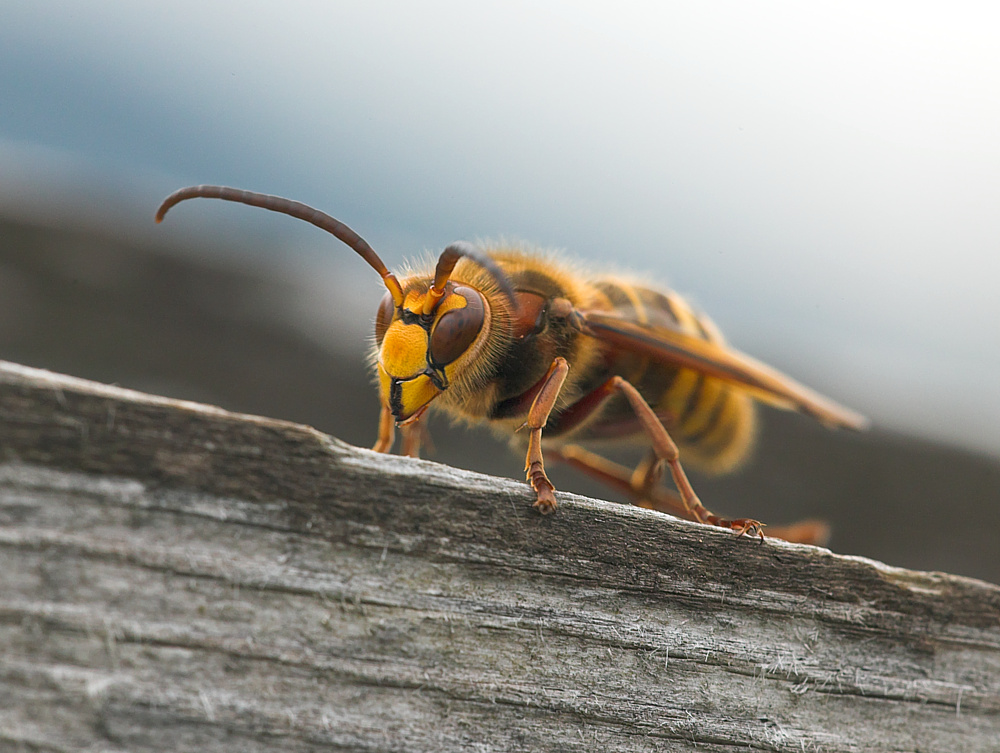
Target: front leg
x: 386, y: 431
x: 538, y: 415
x: 414, y: 433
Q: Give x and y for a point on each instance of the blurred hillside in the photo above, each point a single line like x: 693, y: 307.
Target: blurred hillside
x: 188, y: 324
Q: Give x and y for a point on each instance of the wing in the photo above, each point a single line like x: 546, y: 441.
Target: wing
x: 672, y: 346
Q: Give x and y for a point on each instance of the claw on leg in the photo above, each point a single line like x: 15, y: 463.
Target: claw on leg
x: 739, y: 526
x: 546, y: 502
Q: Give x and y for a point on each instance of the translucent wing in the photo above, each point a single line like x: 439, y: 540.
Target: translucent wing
x: 669, y: 345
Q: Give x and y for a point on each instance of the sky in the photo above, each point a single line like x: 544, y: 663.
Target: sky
x: 823, y: 180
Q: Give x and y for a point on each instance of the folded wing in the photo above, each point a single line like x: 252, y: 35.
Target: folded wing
x: 675, y: 347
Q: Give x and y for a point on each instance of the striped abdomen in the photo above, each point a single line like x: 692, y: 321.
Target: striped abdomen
x: 712, y: 423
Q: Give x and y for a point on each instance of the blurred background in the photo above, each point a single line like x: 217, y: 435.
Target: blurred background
x: 823, y: 181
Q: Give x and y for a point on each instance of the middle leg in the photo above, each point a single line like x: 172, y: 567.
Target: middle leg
x: 664, y: 451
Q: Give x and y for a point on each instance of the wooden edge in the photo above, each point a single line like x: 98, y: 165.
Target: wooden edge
x: 90, y: 423
x: 176, y: 571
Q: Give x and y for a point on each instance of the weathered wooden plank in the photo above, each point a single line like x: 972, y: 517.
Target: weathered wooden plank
x: 178, y: 577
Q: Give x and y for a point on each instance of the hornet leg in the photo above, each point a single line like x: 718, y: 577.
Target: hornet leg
x: 542, y: 405
x: 632, y: 484
x: 664, y: 449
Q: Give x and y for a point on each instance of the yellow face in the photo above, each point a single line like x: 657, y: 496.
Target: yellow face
x: 419, y: 354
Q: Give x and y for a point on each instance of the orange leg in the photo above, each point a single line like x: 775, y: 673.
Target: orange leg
x: 386, y: 431
x: 815, y: 532
x: 646, y: 476
x: 665, y: 451
x: 534, y: 467
x: 413, y: 435
x: 643, y: 489
x: 633, y: 484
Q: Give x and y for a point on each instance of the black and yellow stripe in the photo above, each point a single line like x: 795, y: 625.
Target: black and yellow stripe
x: 713, y: 422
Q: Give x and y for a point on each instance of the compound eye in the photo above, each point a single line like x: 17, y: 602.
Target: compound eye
x: 457, y: 329
x: 383, y: 318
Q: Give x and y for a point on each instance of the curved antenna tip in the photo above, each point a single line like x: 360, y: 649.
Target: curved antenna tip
x: 295, y: 209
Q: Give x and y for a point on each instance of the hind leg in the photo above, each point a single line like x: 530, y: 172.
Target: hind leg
x: 643, y: 488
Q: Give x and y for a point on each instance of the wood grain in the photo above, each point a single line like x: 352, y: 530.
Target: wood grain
x: 176, y: 577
